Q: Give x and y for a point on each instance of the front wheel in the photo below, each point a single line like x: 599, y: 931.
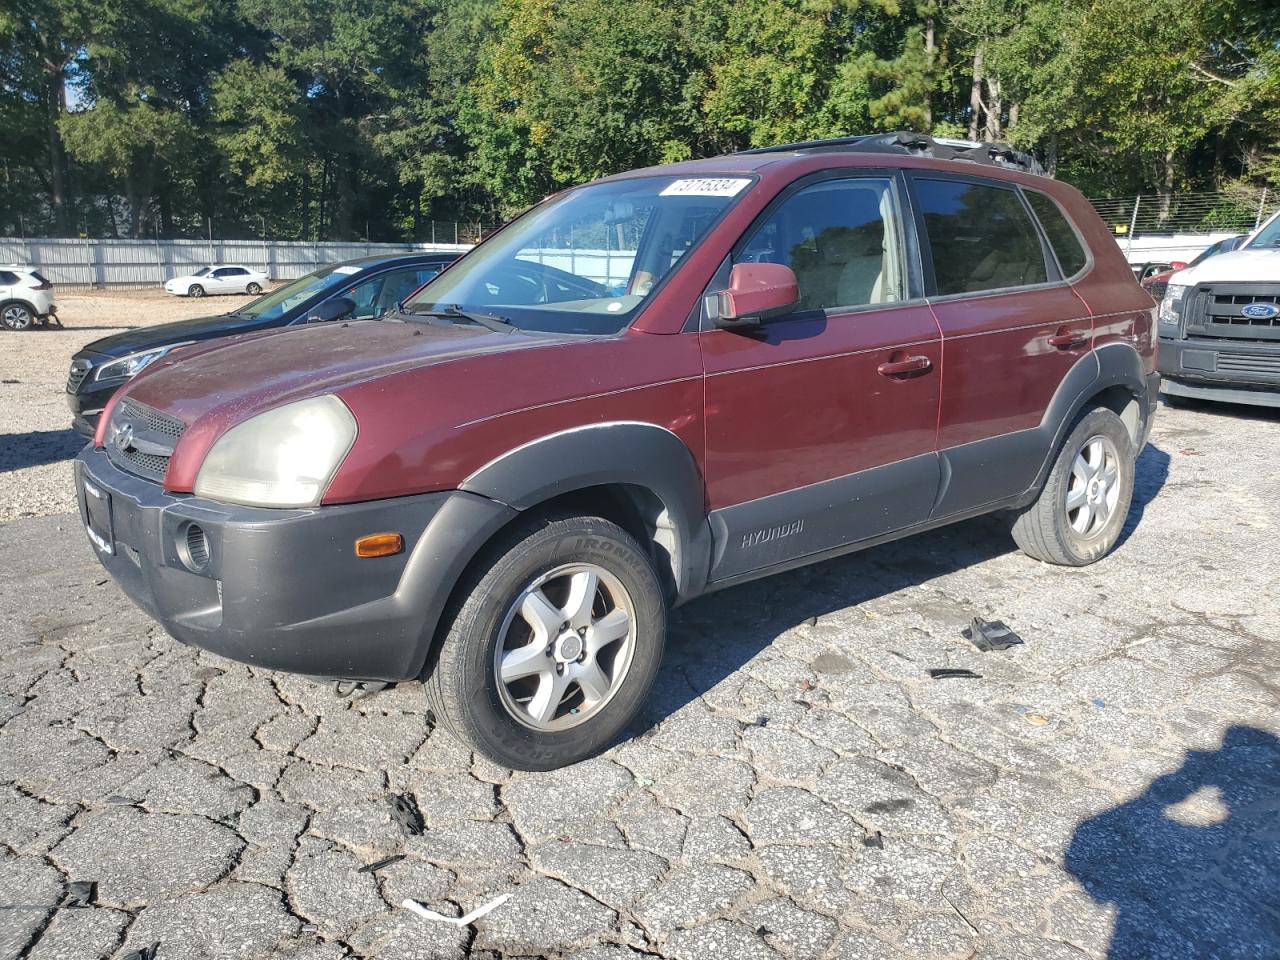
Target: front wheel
x: 195, y: 290
x: 16, y: 316
x: 1081, y: 510
x: 551, y: 645
x: 253, y: 289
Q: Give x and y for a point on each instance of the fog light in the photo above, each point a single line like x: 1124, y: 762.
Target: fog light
x: 197, y: 547
x: 379, y: 545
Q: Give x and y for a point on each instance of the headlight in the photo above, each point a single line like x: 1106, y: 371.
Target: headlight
x: 1171, y: 305
x: 131, y: 365
x: 282, y: 458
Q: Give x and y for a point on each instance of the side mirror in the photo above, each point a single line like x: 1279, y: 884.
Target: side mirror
x: 757, y: 292
x: 1233, y: 243
x: 339, y: 308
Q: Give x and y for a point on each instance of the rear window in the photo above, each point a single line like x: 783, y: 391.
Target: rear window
x: 1063, y: 239
x: 38, y: 276
x: 981, y: 237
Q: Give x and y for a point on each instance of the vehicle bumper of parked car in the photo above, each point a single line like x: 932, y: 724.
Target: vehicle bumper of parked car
x: 1234, y: 371
x: 281, y: 588
x: 87, y: 402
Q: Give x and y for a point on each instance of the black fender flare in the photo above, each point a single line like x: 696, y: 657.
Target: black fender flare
x: 629, y: 453
x: 1110, y: 365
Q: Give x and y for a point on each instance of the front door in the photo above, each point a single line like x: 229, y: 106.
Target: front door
x: 821, y: 426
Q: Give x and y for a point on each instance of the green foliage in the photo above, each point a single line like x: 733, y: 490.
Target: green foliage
x: 333, y: 118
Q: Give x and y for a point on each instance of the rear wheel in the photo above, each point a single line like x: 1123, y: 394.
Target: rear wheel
x: 254, y: 289
x: 17, y: 316
x: 195, y: 290
x: 551, y: 645
x: 1080, y: 512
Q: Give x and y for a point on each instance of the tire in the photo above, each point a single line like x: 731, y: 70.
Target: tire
x: 253, y: 289
x: 195, y: 290
x: 1051, y: 530
x: 540, y: 717
x: 17, y: 316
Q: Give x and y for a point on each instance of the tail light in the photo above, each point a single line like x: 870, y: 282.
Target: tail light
x: 43, y: 285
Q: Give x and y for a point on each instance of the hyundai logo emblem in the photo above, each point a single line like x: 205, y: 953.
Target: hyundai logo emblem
x: 1260, y: 311
x: 123, y: 437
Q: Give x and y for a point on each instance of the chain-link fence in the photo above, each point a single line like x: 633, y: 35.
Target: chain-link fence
x: 1156, y: 228
x: 1240, y: 210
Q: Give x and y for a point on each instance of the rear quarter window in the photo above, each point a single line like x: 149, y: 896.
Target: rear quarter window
x: 1062, y: 238
x: 7, y: 279
x: 980, y: 236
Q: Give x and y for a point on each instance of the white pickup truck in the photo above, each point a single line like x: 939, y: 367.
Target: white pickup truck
x: 1220, y: 324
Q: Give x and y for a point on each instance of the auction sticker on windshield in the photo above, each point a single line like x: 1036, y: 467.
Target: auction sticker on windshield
x: 706, y: 187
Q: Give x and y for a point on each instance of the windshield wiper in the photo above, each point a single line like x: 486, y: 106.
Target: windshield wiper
x: 489, y: 321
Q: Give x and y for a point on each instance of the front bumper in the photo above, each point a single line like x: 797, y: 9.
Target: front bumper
x: 283, y: 589
x: 87, y: 403
x: 1236, y: 371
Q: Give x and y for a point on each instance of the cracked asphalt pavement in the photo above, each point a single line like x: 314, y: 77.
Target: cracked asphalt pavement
x: 797, y: 786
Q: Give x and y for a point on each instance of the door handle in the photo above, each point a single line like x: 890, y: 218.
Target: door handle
x: 898, y: 368
x: 1067, y: 339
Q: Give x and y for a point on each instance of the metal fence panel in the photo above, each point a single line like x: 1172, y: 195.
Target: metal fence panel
x: 149, y: 263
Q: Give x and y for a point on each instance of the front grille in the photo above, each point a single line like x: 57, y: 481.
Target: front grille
x: 141, y: 440
x: 153, y: 420
x: 1247, y: 363
x: 1217, y: 310
x: 147, y: 464
x: 79, y: 370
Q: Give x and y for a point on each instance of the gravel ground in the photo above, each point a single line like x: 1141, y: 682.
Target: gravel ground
x: 35, y: 425
x: 797, y: 787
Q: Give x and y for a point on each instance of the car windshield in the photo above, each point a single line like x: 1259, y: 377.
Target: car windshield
x: 585, y: 261
x: 201, y: 272
x: 1268, y: 236
x: 277, y: 303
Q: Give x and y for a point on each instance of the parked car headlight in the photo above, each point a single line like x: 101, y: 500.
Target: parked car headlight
x: 282, y: 458
x: 131, y: 365
x: 1171, y: 305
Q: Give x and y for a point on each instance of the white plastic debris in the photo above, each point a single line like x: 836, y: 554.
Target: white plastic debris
x: 462, y: 921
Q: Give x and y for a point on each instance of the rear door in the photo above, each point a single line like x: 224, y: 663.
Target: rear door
x: 1011, y: 328
x: 224, y: 280
x: 812, y: 440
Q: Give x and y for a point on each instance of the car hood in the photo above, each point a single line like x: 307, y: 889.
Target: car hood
x: 215, y: 386
x: 1238, y: 266
x: 167, y: 334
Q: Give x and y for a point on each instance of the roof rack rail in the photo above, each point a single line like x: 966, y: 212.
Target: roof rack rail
x: 919, y: 145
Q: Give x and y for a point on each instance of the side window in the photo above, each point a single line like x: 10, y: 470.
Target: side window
x: 7, y: 279
x: 365, y: 296
x: 981, y: 237
x: 399, y: 284
x: 1065, y: 243
x: 843, y: 240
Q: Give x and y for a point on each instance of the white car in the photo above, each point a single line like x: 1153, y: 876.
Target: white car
x: 25, y: 297
x: 227, y: 278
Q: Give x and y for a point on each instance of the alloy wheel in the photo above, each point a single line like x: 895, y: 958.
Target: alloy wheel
x: 17, y: 317
x: 565, y: 647
x: 1094, y: 487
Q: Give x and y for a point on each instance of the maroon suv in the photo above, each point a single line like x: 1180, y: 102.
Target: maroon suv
x: 656, y: 385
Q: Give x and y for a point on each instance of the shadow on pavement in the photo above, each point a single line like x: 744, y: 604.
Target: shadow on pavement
x: 1150, y: 476
x: 1200, y: 881
x: 716, y: 635
x: 38, y: 447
